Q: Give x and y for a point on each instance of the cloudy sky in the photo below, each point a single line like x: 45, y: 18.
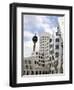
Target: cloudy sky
x: 36, y: 24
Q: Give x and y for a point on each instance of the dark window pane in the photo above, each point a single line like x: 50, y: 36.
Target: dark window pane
x: 57, y: 33
x: 27, y: 72
x: 39, y: 72
x: 43, y: 61
x: 57, y: 39
x: 52, y: 57
x: 46, y: 72
x: 35, y: 62
x: 36, y: 52
x: 39, y: 60
x: 39, y: 56
x: 57, y: 54
x: 52, y: 71
x: 50, y: 40
x: 43, y: 54
x: 36, y: 72
x: 43, y: 72
x: 57, y: 46
x: 32, y: 72
x: 25, y: 61
x: 62, y: 45
x: 43, y: 65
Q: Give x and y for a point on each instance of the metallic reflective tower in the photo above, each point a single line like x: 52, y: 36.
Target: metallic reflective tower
x: 34, y: 39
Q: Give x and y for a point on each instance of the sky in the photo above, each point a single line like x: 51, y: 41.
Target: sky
x: 37, y: 24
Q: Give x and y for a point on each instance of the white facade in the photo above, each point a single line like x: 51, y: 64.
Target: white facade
x: 49, y: 58
x: 44, y: 45
x: 58, y: 49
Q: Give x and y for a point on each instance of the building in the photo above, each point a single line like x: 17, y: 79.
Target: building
x: 27, y: 66
x: 56, y: 52
x: 44, y: 45
x: 49, y: 58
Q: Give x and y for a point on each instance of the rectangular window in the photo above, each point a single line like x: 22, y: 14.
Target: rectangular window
x: 57, y: 39
x: 57, y: 54
x: 50, y: 40
x: 25, y: 61
x: 57, y: 47
x: 57, y: 34
x: 51, y: 46
x: 50, y: 58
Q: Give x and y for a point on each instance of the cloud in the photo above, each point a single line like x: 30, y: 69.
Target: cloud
x: 37, y: 24
x: 52, y: 21
x: 28, y: 35
x: 47, y: 23
x: 31, y: 24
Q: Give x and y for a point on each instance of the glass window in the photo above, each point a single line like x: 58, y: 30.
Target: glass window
x: 25, y: 61
x: 57, y: 39
x: 62, y: 45
x: 51, y: 46
x: 39, y: 72
x: 43, y: 65
x: 43, y: 54
x: 43, y: 72
x: 36, y: 52
x: 32, y: 72
x: 52, y: 57
x: 57, y: 33
x: 39, y: 56
x: 35, y: 62
x: 27, y: 72
x: 57, y: 46
x: 50, y: 40
x: 57, y: 54
x: 43, y: 61
x: 51, y: 52
x: 36, y: 72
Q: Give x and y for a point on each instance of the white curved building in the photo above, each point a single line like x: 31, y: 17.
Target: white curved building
x: 49, y: 58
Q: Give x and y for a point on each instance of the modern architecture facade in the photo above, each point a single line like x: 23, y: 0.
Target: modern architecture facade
x: 49, y: 58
